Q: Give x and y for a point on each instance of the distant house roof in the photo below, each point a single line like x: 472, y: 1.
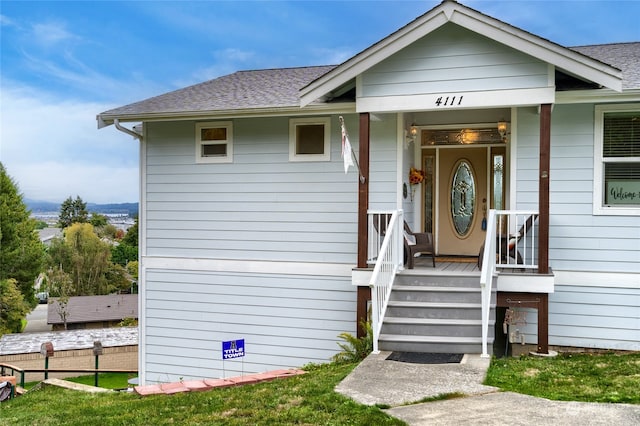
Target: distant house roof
x: 87, y: 309
x: 47, y: 234
x: 24, y: 343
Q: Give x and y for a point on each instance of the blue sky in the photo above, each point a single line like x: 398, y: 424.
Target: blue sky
x: 63, y: 62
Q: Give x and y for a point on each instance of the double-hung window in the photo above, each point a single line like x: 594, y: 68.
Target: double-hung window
x: 617, y: 160
x: 214, y: 142
x: 309, y: 139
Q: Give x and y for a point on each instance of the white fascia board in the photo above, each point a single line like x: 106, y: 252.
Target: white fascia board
x: 470, y: 100
x: 597, y: 96
x: 539, y: 48
x: 250, y: 266
x: 335, y: 108
x: 598, y: 279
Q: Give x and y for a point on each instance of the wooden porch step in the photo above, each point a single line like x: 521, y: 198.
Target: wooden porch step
x: 441, y: 289
x: 430, y: 339
x: 443, y: 305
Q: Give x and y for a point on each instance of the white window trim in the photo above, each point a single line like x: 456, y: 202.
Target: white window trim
x: 229, y: 142
x: 326, y: 122
x: 599, y: 209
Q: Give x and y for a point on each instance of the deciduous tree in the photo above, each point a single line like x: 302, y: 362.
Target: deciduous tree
x: 83, y: 256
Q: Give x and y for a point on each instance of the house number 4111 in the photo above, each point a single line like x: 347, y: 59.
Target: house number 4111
x: 449, y: 100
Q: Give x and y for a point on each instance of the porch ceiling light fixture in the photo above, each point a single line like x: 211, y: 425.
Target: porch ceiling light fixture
x: 411, y: 134
x: 502, y: 129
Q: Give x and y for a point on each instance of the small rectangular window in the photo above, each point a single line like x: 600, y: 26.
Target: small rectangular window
x: 214, y: 143
x: 617, y: 160
x: 309, y: 139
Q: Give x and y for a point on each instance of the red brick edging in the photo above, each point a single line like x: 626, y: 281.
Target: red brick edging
x: 208, y: 384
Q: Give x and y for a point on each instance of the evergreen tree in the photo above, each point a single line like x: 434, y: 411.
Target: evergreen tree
x: 73, y: 211
x: 21, y: 252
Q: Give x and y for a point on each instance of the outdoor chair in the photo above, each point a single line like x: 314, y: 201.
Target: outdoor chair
x: 507, y: 245
x: 417, y: 242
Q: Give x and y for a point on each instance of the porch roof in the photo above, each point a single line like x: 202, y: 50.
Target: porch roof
x: 450, y: 11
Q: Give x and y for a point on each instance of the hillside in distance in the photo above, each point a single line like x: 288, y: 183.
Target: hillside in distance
x: 130, y: 209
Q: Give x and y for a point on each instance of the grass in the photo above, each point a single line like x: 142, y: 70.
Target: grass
x: 606, y: 377
x: 105, y: 380
x: 305, y: 400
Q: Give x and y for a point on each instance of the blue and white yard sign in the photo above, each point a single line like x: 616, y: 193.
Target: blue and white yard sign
x: 233, y: 349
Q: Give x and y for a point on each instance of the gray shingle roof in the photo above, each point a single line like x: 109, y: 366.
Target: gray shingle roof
x: 112, y: 307
x: 280, y: 88
x: 271, y: 88
x: 624, y: 56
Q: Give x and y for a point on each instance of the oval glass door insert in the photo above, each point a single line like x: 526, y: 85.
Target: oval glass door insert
x: 463, y: 196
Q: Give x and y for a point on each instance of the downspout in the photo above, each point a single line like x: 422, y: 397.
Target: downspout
x: 130, y: 132
x: 142, y: 352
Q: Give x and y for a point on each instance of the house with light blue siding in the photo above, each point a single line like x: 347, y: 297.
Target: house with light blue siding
x: 526, y: 183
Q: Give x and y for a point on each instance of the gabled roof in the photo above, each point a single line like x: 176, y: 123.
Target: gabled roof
x: 288, y: 89
x: 243, y: 90
x: 86, y: 309
x: 450, y: 11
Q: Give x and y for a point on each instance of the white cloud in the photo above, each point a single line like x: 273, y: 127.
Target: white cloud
x: 51, y: 33
x: 53, y: 149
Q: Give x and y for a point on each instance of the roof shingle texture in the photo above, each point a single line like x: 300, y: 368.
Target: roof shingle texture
x: 80, y: 309
x: 624, y: 56
x: 271, y: 88
x: 279, y: 88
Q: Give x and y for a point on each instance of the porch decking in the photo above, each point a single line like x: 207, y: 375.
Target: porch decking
x: 445, y: 265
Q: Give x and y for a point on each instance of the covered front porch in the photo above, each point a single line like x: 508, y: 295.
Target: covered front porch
x: 450, y: 306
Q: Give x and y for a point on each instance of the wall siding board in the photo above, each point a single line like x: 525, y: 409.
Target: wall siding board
x: 453, y: 59
x: 578, y: 240
x: 247, y: 190
x: 175, y: 327
x: 286, y: 320
x: 590, y: 317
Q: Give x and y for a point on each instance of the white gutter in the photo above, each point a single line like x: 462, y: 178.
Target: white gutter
x: 136, y: 135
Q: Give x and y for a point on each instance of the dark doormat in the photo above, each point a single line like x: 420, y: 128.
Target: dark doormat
x: 425, y: 358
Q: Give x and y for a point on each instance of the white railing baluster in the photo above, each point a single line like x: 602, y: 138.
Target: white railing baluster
x: 486, y: 276
x: 388, y: 227
x: 520, y: 232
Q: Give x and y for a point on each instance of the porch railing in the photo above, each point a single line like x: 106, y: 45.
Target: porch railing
x: 516, y: 239
x: 509, y: 243
x: 386, y: 249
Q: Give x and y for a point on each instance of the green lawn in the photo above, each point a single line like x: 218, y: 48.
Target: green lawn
x: 310, y: 399
x: 571, y: 377
x: 306, y: 400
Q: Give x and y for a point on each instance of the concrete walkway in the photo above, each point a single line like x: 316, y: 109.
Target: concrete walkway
x: 395, y: 384
x: 37, y: 320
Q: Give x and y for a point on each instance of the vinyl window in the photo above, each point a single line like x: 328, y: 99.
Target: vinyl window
x: 617, y: 160
x: 309, y: 139
x: 214, y: 142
